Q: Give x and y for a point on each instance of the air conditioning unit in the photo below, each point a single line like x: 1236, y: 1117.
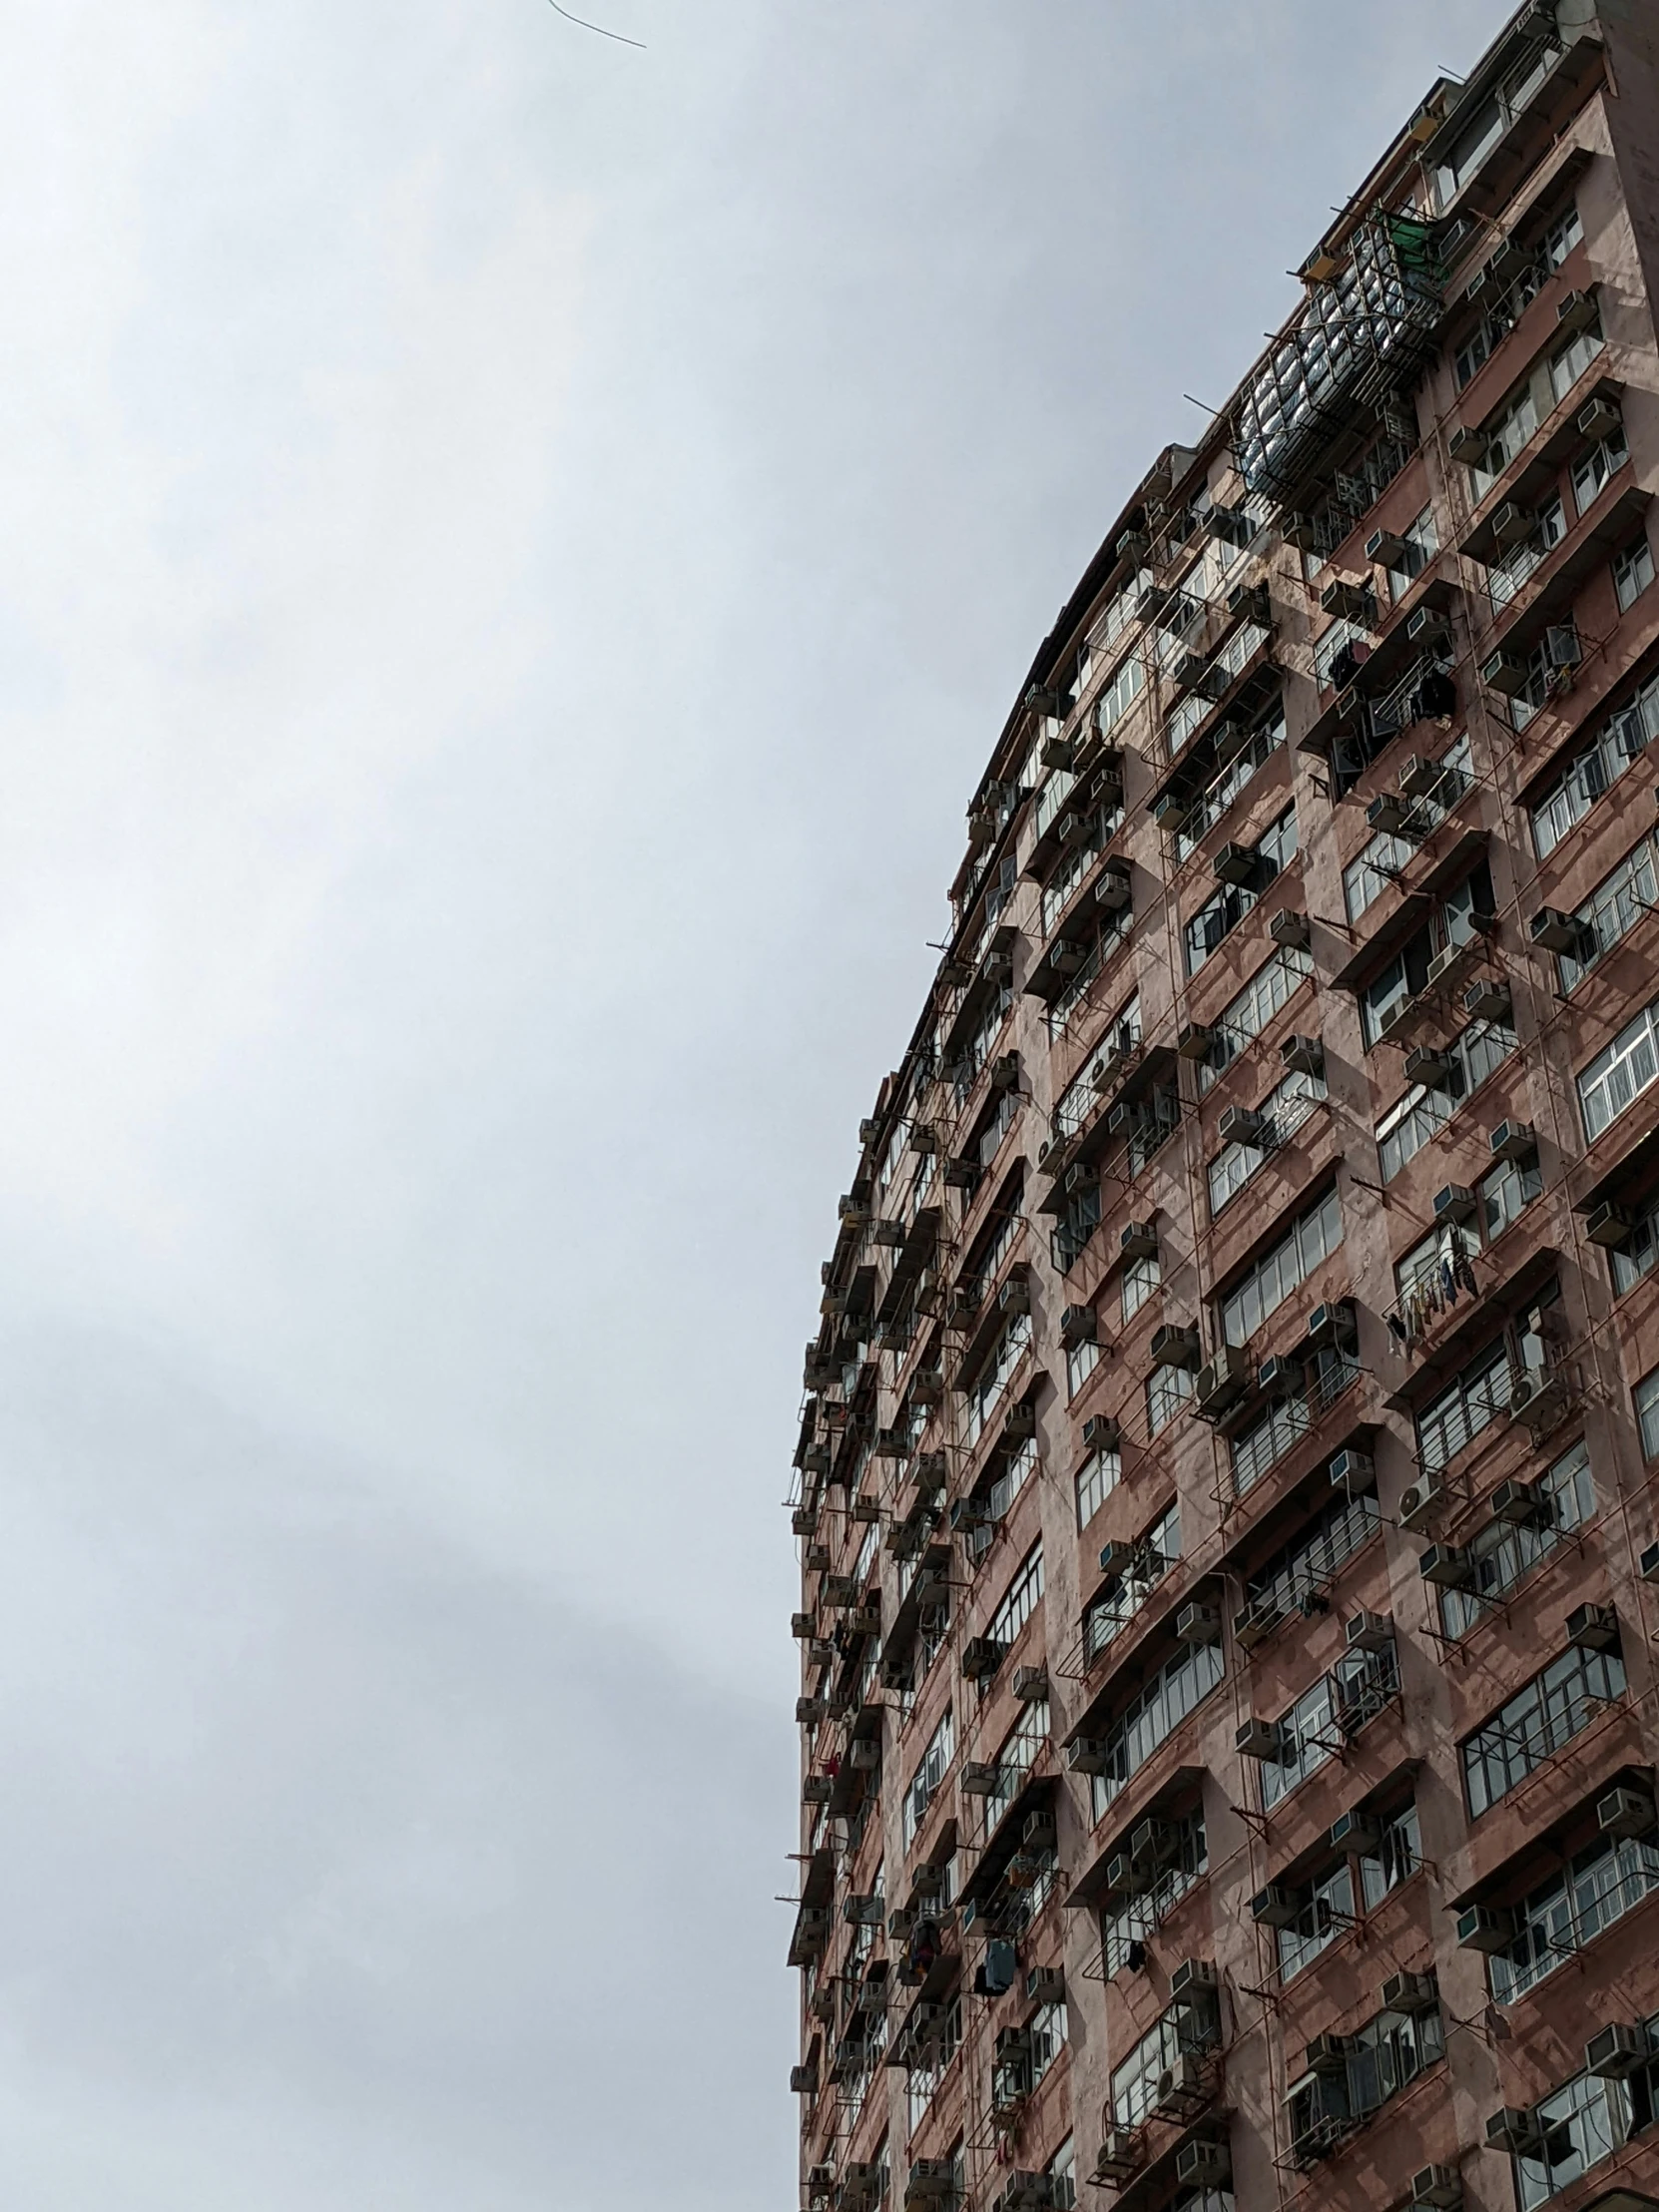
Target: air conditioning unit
x: 1045, y: 1986
x: 1114, y: 891
x: 1521, y: 1504
x: 1577, y: 310
x: 1073, y: 829
x: 1255, y: 1623
x: 1539, y: 1400
x: 1599, y: 421
x: 1447, y: 1566
x: 1489, y: 1000
x: 1468, y: 446
x: 1512, y: 1140
x: 1019, y: 1422
x: 961, y: 1173
x: 802, y: 1624
x: 1398, y: 1021
x: 1593, y: 1628
x: 808, y: 1711
x: 1421, y: 1505
x: 1328, y: 2053
x: 982, y: 1656
x: 1515, y: 2131
x: 1303, y: 1055
x: 1626, y: 1812
x: 1194, y: 1978
x: 816, y: 1790
x: 1553, y: 931
x: 1617, y: 2051
x: 1455, y: 1202
x: 803, y: 1521
x: 804, y: 2081
x: 1275, y: 1908
x: 1121, y: 2154
x: 1608, y: 1225
x: 1178, y: 2083
x: 1172, y: 1346
x: 1486, y: 1927
x: 1194, y: 1042
x: 864, y: 1757
x: 1058, y: 752
x: 1243, y: 1125
x: 1368, y: 1631
x: 1198, y: 1624
x: 1512, y: 524
x: 1410, y: 1992
x: 1120, y: 1878
x: 1507, y: 673
x: 1420, y: 775
x: 1353, y: 1472
x: 1278, y: 1374
x: 1236, y: 863
x: 1262, y: 1740
x: 1393, y: 815
x: 1174, y: 811
x: 1078, y: 1325
x: 1355, y: 1832
x: 981, y: 1779
x: 1452, y: 961
x: 1030, y: 1683
x: 1087, y: 1754
x: 1440, y: 2186
x: 1430, y: 1068
x: 1352, y: 602
x: 1223, y: 1382
x: 1101, y: 1433
x: 1231, y: 739
x: 1203, y: 2165
x: 1384, y: 548
x: 1290, y: 931
x: 928, y: 2180
x: 1332, y: 1322
x: 1139, y: 1241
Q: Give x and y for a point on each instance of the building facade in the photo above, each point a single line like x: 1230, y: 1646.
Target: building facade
x: 1228, y: 1481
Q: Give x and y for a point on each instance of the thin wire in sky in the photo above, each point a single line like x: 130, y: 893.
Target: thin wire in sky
x: 599, y: 27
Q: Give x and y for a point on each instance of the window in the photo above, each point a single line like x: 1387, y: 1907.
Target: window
x: 1550, y: 669
x: 1573, y: 359
x: 1633, y: 1259
x: 1308, y: 1566
x: 1152, y: 1716
x: 1323, y: 1720
x: 935, y: 1764
x: 1555, y: 1707
x: 1274, y: 850
x: 1505, y: 436
x: 1597, y: 1887
x: 1119, y: 694
x: 1647, y: 1413
x: 1326, y: 1910
x: 1136, y: 1918
x: 1507, y: 577
x: 1397, y: 1857
x: 1581, y: 2125
x: 1183, y: 2029
x: 1140, y: 1278
x: 1081, y: 1362
x: 1063, y: 2167
x: 1455, y: 920
x: 1613, y: 908
x: 1273, y: 985
x: 1385, y: 2055
x: 1421, y: 543
x: 1287, y: 1420
x: 1097, y: 1478
x: 1632, y: 573
x: 1369, y: 874
x: 1490, y: 120
x: 1284, y: 1109
x: 1125, y: 1595
x: 1593, y: 470
x: 1016, y: 1761
x: 1476, y: 1396
x: 1268, y: 737
x: 1432, y: 1274
x: 1267, y: 1285
x: 1020, y: 1601
x: 1167, y: 1390
x: 1503, y: 1554
x: 1079, y: 1098
x: 986, y: 1391
x: 1621, y: 1073
x: 926, y: 2075
x: 1627, y: 734
x: 1424, y: 1111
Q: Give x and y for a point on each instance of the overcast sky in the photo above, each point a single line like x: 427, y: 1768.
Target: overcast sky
x: 513, y: 551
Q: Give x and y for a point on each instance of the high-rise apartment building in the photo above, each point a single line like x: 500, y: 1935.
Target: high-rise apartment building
x: 1229, y: 1472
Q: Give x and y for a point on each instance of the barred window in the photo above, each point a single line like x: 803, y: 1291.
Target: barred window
x: 1626, y: 736
x: 1323, y: 1720
x: 1476, y: 1054
x: 1555, y: 1707
x: 1597, y: 1887
x: 1286, y: 1109
x: 1502, y: 1554
x: 1167, y: 1390
x: 1618, y: 902
x: 1274, y: 850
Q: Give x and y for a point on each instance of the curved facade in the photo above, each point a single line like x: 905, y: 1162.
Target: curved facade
x: 1230, y: 1549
